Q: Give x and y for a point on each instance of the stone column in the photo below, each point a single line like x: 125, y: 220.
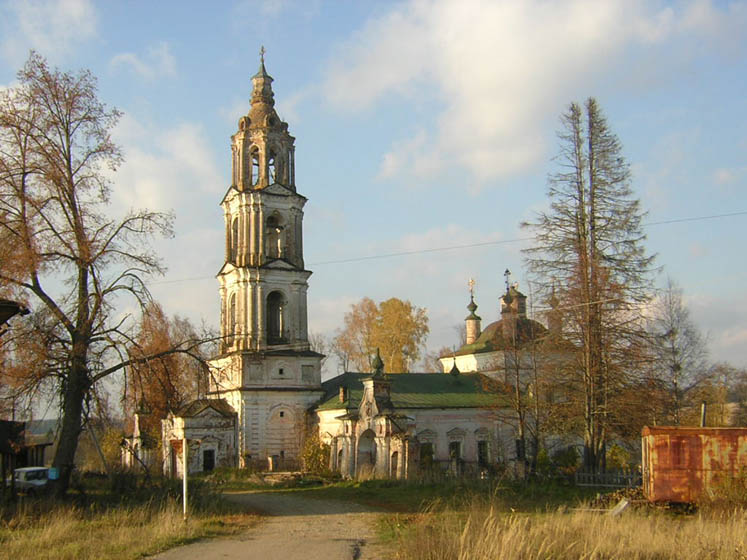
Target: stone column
x: 261, y: 341
x: 250, y: 311
x: 261, y: 235
x: 253, y: 209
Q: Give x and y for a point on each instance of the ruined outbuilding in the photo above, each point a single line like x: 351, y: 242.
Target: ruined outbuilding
x: 682, y: 464
x: 209, y: 425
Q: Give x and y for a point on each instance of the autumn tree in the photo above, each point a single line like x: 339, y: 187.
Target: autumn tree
x: 397, y: 328
x: 679, y: 354
x: 156, y: 386
x: 589, y: 244
x: 60, y: 244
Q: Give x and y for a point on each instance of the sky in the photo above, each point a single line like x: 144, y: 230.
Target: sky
x: 422, y: 127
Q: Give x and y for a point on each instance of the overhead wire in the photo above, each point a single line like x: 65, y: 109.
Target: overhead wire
x: 459, y: 247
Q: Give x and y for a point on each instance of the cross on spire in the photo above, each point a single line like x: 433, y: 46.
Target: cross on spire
x: 262, y: 52
x: 471, y: 285
x: 507, y: 276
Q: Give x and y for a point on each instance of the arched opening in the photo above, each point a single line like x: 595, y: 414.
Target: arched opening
x: 366, y: 453
x: 339, y: 461
x: 394, y: 465
x: 254, y: 170
x: 234, y: 242
x: 275, y: 318
x: 275, y: 237
x: 271, y: 168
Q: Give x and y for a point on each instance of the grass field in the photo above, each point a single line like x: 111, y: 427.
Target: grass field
x: 475, y: 521
x: 484, y: 532
x: 448, y: 520
x: 118, y: 526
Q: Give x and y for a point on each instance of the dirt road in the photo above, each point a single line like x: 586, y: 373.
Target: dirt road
x: 295, y: 527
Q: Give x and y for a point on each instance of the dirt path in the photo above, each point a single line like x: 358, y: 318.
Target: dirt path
x: 295, y: 527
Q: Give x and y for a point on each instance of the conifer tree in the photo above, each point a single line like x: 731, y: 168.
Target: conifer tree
x: 590, y: 245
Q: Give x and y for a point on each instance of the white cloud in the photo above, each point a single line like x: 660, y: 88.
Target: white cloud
x: 166, y: 169
x: 496, y: 70
x: 174, y: 169
x: 158, y: 62
x: 52, y: 27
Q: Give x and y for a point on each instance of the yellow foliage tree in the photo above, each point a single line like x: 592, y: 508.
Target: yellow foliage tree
x: 396, y: 327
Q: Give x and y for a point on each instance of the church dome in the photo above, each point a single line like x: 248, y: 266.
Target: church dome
x: 492, y: 338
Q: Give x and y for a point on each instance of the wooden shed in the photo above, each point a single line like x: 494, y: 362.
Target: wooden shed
x: 679, y: 464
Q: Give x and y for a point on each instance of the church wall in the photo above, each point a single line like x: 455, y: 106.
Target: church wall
x: 273, y: 423
x: 438, y: 427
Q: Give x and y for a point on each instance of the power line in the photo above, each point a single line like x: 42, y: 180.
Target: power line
x: 458, y: 247
x: 696, y: 218
x: 422, y: 251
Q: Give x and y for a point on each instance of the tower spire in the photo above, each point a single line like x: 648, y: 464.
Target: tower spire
x: 472, y: 321
x: 262, y: 84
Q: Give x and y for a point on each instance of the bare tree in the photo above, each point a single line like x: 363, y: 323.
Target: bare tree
x: 589, y: 244
x: 59, y: 244
x: 679, y: 352
x: 320, y: 344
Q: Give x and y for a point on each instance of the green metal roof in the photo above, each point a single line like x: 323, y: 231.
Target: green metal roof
x: 416, y: 390
x: 491, y: 339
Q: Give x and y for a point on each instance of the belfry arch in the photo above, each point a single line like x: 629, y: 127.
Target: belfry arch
x: 276, y: 235
x: 276, y: 318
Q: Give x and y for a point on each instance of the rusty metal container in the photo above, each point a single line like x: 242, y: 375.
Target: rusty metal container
x: 680, y: 464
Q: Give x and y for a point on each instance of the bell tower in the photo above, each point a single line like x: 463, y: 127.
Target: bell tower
x: 263, y: 282
x: 266, y: 369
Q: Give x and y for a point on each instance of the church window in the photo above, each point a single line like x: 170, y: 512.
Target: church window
x: 208, y: 460
x: 234, y: 240
x: 483, y: 458
x: 455, y: 450
x: 254, y: 177
x: 426, y: 454
x: 280, y: 372
x: 275, y: 237
x: 275, y: 318
x: 282, y: 414
x: 271, y: 168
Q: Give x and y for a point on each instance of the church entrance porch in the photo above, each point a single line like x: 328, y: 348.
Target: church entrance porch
x: 366, y: 457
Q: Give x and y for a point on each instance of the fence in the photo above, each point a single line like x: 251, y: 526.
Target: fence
x: 611, y: 479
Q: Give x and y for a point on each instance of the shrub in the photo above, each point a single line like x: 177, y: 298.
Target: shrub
x: 315, y: 455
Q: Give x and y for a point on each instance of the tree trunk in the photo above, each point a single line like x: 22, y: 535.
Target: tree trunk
x: 75, y: 391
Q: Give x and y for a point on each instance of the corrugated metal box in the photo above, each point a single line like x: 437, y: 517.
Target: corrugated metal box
x: 680, y: 464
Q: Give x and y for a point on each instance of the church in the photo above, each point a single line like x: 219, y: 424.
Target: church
x: 265, y: 390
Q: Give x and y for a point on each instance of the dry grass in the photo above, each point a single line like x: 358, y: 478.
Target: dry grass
x: 487, y: 533
x: 125, y: 532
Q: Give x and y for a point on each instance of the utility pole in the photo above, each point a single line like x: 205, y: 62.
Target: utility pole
x: 185, y: 468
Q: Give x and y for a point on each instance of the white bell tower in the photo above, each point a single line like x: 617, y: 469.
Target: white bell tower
x: 266, y: 369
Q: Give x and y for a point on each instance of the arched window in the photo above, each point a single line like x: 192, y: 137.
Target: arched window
x: 275, y: 237
x: 275, y: 319
x: 234, y: 240
x: 271, y: 168
x: 254, y: 177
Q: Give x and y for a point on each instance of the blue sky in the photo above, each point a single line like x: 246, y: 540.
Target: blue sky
x: 420, y: 125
